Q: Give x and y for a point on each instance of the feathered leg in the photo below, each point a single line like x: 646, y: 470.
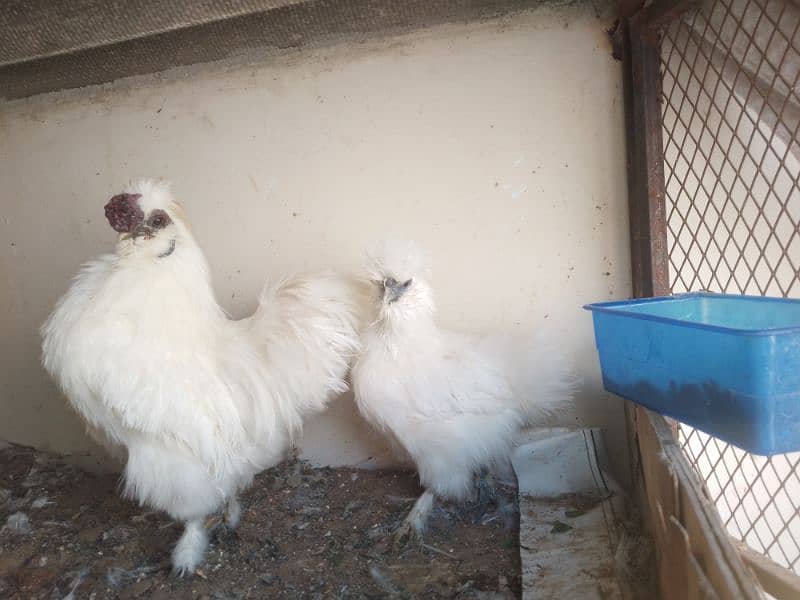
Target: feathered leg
x: 484, y: 495
x: 494, y: 487
x: 233, y: 513
x: 190, y: 549
x: 413, y: 525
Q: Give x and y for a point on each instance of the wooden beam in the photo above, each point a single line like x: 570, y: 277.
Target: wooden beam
x: 696, y: 558
x: 50, y: 45
x: 776, y: 580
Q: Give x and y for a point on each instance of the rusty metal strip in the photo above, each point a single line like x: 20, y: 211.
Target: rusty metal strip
x: 661, y: 13
x: 641, y: 55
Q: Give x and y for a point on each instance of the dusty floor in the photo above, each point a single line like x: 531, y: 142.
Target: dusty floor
x: 305, y: 533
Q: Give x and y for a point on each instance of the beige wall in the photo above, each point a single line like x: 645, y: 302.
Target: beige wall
x: 498, y: 145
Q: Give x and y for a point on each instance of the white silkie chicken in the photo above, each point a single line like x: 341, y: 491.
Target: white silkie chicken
x: 199, y: 403
x: 453, y: 403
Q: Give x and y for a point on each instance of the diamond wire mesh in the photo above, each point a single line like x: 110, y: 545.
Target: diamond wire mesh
x: 731, y: 113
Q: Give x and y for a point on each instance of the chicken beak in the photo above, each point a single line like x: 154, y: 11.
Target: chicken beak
x: 392, y: 292
x: 141, y: 231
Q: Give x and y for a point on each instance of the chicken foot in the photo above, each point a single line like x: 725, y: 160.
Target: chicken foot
x: 414, y: 524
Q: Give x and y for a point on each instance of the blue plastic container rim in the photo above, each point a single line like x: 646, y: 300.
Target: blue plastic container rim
x: 615, y: 306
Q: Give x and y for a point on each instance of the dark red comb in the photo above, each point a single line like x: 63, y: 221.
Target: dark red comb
x: 123, y: 212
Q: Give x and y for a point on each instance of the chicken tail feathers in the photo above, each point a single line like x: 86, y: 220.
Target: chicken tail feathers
x: 307, y: 326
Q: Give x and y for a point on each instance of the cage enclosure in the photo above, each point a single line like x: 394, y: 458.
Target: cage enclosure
x: 545, y: 154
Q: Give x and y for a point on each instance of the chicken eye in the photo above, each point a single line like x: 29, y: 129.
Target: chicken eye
x: 158, y: 220
x: 407, y: 283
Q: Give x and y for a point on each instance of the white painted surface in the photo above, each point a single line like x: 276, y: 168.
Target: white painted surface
x: 570, y: 517
x: 558, y: 461
x: 499, y: 146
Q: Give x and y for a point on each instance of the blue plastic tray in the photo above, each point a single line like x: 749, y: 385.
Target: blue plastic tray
x: 727, y: 365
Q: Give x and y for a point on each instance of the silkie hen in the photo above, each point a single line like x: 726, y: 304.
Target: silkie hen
x: 197, y: 402
x: 453, y: 403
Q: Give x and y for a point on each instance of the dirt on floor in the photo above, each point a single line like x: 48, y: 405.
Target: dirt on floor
x: 305, y: 533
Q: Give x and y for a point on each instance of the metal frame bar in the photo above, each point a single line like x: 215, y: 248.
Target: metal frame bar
x: 695, y: 554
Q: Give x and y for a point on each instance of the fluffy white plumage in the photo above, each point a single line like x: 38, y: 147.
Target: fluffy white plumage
x: 197, y: 402
x: 452, y: 402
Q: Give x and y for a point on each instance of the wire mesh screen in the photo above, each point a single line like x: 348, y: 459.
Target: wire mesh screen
x: 731, y: 111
